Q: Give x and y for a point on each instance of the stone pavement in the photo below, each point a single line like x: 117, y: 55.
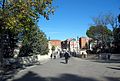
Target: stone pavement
x: 76, y: 70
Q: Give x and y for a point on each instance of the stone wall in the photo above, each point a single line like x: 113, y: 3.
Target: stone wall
x: 30, y: 60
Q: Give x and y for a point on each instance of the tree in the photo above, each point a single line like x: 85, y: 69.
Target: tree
x: 116, y: 40
x: 119, y: 18
x: 106, y: 19
x: 53, y: 48
x: 100, y: 33
x: 18, y: 17
x: 35, y: 42
x: 116, y: 36
x: 43, y: 47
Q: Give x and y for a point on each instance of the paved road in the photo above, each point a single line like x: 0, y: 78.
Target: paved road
x: 76, y: 70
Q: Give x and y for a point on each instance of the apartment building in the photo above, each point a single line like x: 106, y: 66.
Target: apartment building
x: 84, y: 42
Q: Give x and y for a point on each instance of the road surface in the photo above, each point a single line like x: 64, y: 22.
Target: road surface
x: 76, y: 70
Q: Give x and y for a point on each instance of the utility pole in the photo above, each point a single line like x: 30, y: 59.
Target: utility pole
x: 77, y: 43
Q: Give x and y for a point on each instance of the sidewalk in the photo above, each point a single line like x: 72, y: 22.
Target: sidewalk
x: 10, y: 75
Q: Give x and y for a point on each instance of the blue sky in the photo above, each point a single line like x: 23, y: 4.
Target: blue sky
x: 73, y: 17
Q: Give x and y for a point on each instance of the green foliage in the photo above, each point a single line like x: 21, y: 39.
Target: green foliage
x: 20, y: 17
x: 97, y: 32
x: 53, y: 48
x: 117, y: 35
x: 8, y: 42
x: 100, y: 33
x: 116, y: 41
x: 17, y: 22
x: 34, y: 42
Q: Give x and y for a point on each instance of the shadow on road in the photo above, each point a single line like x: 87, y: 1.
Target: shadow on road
x: 31, y: 76
x: 112, y: 79
x: 115, y: 68
x: 7, y: 74
x: 63, y: 62
x: 107, y: 61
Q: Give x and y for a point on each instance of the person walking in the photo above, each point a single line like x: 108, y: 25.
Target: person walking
x: 60, y: 54
x: 108, y: 56
x: 51, y: 56
x: 67, y: 56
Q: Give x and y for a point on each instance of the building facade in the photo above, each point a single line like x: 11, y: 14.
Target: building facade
x: 74, y: 45
x: 84, y: 42
x: 56, y: 44
x: 70, y: 44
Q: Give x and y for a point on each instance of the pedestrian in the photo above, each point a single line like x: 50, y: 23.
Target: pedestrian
x: 55, y: 53
x: 60, y: 54
x: 109, y: 55
x: 54, y: 56
x: 51, y: 56
x: 67, y: 56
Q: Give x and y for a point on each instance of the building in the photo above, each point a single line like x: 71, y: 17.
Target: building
x: 84, y: 42
x: 56, y: 43
x: 64, y: 45
x: 70, y: 44
x: 74, y: 46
